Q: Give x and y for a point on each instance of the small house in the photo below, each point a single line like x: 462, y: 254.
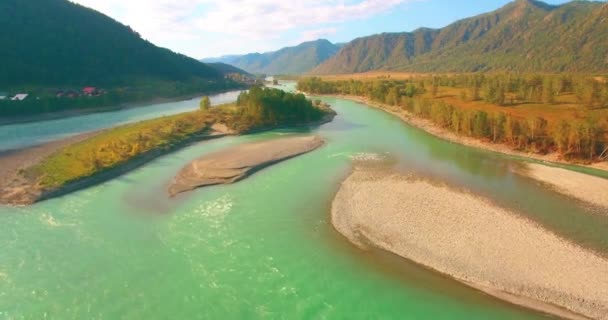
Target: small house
x: 19, y: 97
x: 89, y: 91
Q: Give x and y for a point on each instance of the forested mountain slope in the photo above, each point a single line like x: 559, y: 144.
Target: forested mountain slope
x: 291, y: 60
x: 57, y: 42
x: 524, y: 35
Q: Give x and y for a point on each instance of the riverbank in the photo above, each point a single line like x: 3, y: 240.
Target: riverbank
x: 20, y: 187
x: 234, y: 164
x: 472, y: 240
x: 429, y: 127
x: 12, y: 161
x: 586, y: 188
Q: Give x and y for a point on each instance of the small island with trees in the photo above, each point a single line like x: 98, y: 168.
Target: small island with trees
x: 115, y: 151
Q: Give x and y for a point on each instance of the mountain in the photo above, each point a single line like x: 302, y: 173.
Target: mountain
x: 524, y: 35
x: 57, y: 42
x: 226, y: 69
x: 290, y: 60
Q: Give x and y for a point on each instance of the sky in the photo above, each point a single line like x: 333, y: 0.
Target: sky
x: 211, y: 28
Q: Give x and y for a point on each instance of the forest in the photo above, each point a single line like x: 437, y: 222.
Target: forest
x: 267, y: 107
x: 78, y: 46
x: 578, y: 135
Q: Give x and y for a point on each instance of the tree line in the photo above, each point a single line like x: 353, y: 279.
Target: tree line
x: 579, y: 139
x: 265, y: 107
x: 499, y: 89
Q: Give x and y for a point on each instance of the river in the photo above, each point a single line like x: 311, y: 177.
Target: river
x: 262, y: 248
x: 22, y: 135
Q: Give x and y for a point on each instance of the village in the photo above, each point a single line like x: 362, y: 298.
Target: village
x: 59, y: 93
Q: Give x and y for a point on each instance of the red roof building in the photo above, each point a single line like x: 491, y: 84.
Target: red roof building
x: 89, y: 90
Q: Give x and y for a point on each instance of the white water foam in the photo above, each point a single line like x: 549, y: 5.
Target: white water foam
x: 365, y: 156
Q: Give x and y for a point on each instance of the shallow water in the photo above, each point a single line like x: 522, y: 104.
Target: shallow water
x: 21, y: 135
x: 262, y: 248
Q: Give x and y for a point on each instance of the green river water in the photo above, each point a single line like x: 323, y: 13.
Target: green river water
x: 262, y: 248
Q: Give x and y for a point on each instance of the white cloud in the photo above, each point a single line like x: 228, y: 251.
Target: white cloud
x: 247, y: 21
x: 265, y: 18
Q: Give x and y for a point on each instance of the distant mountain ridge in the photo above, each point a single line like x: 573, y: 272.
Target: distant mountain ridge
x: 523, y: 36
x: 226, y: 69
x: 291, y: 60
x: 57, y: 42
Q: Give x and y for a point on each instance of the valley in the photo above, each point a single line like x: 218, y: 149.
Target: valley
x: 327, y: 160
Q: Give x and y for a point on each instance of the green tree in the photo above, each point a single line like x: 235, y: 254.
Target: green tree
x: 205, y: 103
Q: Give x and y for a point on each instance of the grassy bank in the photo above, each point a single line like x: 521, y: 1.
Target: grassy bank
x: 115, y: 146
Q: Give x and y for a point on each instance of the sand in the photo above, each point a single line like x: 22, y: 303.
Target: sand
x: 473, y: 241
x: 234, y: 164
x: 590, y: 189
x: 15, y: 188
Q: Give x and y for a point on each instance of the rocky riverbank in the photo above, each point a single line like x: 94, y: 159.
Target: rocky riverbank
x: 473, y: 241
x: 589, y: 189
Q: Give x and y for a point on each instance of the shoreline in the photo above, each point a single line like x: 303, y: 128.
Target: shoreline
x: 122, y: 106
x: 429, y: 127
x: 17, y: 190
x: 465, y: 237
x: 586, y: 188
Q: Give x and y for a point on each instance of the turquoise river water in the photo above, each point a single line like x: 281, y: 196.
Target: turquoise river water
x: 262, y: 248
x: 20, y: 135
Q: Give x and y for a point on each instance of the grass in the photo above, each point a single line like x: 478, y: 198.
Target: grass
x: 372, y: 75
x: 565, y: 107
x: 116, y: 146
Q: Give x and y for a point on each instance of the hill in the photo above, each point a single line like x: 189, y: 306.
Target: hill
x: 524, y: 35
x: 226, y: 69
x: 57, y: 42
x: 291, y: 60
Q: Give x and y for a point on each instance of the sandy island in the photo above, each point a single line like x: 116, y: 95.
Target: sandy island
x: 234, y: 164
x: 473, y: 241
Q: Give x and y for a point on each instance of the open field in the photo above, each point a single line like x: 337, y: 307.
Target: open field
x: 373, y: 75
x: 565, y: 107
